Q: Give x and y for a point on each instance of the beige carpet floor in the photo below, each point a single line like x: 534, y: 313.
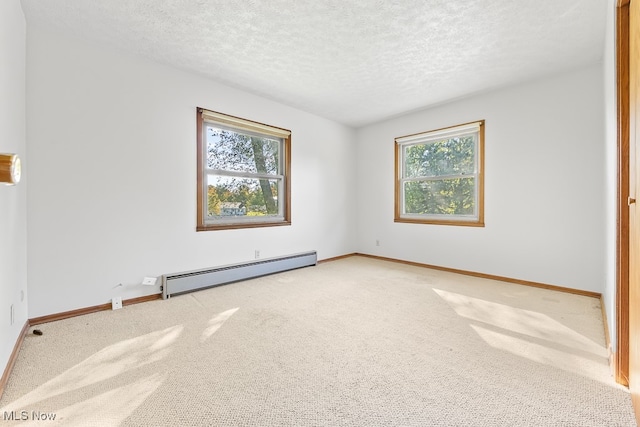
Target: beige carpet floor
x: 352, y: 342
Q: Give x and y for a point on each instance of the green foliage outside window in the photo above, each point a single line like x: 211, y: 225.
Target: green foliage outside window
x: 439, y: 181
x: 228, y: 194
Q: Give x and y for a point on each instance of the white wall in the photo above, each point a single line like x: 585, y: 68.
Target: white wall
x: 544, y: 185
x: 112, y: 196
x: 609, y: 68
x: 13, y: 209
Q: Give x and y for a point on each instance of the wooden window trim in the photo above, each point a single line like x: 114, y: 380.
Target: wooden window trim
x: 621, y: 356
x: 200, y: 220
x: 479, y: 222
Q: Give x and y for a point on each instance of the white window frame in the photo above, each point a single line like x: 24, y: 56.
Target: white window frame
x: 402, y: 143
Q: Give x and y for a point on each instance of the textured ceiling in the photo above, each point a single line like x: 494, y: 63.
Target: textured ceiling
x: 353, y: 61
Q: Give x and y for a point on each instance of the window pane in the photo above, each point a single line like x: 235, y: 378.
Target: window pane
x: 229, y: 197
x: 440, y: 197
x: 233, y: 151
x: 453, y: 156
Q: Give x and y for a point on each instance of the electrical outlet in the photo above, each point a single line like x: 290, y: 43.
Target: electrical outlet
x: 257, y: 254
x: 116, y: 303
x: 13, y: 315
x: 149, y: 281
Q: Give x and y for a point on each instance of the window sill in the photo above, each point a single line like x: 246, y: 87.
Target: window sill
x: 235, y: 226
x: 462, y: 223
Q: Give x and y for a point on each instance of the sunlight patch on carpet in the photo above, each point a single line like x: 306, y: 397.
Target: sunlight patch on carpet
x: 107, y: 363
x: 531, y: 335
x: 525, y: 322
x: 110, y: 408
x: 216, y: 323
x: 545, y: 354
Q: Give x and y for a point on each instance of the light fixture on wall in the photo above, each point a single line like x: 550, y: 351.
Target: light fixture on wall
x: 10, y: 169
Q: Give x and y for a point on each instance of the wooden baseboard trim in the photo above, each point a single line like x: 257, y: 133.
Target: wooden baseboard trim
x: 622, y: 380
x: 87, y: 310
x: 490, y: 276
x: 138, y: 300
x: 13, y: 358
x: 68, y: 314
x: 335, y: 258
x: 607, y: 336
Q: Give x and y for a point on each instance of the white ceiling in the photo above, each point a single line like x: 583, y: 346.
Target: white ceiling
x: 353, y: 61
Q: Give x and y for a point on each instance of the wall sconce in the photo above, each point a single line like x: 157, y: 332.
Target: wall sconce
x: 10, y: 169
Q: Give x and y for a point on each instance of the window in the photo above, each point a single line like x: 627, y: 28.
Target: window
x: 243, y: 173
x: 439, y: 176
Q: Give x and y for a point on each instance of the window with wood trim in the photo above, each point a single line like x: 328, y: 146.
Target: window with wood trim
x: 243, y: 173
x: 439, y: 176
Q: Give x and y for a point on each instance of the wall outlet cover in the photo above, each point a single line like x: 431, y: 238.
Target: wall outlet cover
x: 149, y: 281
x: 116, y: 303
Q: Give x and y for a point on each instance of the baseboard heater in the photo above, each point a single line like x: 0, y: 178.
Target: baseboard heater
x: 180, y: 283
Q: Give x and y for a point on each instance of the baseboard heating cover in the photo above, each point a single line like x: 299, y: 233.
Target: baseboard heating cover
x: 189, y: 281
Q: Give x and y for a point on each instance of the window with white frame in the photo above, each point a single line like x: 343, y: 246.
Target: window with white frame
x: 243, y: 173
x: 439, y: 176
